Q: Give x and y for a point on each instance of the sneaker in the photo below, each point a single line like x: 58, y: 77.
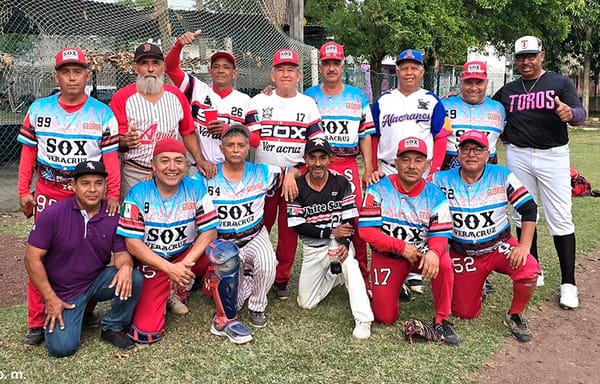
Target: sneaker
x: 518, y: 326
x: 34, y: 336
x: 415, y: 283
x: 117, y: 338
x: 176, y: 306
x: 257, y: 319
x: 568, y: 296
x: 235, y: 331
x: 405, y: 294
x: 362, y: 329
x: 488, y: 288
x: 281, y: 291
x: 540, y: 279
x: 90, y: 320
x: 445, y: 329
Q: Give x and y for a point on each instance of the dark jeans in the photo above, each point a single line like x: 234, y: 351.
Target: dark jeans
x: 64, y: 342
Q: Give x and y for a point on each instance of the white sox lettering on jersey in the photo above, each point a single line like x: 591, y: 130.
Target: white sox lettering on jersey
x: 480, y: 210
x: 285, y: 124
x: 167, y: 226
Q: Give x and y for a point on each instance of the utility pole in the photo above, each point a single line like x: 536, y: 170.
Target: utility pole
x: 297, y: 19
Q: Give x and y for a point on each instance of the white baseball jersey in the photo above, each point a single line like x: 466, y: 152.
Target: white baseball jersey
x: 285, y: 124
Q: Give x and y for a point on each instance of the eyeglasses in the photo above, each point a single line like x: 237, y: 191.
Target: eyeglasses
x: 475, y: 150
x: 526, y: 56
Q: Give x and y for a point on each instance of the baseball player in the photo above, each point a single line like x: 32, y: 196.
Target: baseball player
x: 58, y: 132
x: 148, y: 111
x: 169, y: 223
x: 348, y: 126
x: 325, y: 210
x: 407, y: 222
x: 472, y: 109
x: 538, y: 107
x: 479, y: 195
x: 407, y: 111
x: 231, y: 105
x: 285, y: 120
x: 238, y: 192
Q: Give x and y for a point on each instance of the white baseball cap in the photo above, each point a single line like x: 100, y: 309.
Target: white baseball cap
x: 528, y: 44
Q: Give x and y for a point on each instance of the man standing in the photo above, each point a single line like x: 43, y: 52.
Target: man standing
x: 348, y: 126
x: 168, y: 224
x: 286, y: 119
x: 67, y: 257
x: 408, y: 111
x: 472, y: 109
x: 230, y: 105
x: 538, y: 107
x: 58, y: 132
x: 238, y: 192
x: 324, y: 212
x: 148, y: 111
x: 479, y: 195
x: 407, y: 222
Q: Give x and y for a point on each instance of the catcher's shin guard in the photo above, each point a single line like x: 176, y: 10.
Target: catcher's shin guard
x: 222, y: 278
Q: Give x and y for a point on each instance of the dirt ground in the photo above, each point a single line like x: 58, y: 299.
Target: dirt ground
x: 565, y: 348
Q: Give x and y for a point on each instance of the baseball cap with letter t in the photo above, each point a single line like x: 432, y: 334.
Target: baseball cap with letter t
x: 148, y: 50
x: 70, y: 56
x: 331, y: 51
x: 412, y: 144
x: 317, y: 144
x: 474, y: 70
x: 528, y: 44
x: 89, y: 168
x: 476, y: 136
x: 285, y: 56
x: 410, y: 55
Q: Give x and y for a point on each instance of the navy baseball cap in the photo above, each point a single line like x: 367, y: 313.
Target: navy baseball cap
x: 89, y: 168
x: 148, y: 50
x: 410, y: 54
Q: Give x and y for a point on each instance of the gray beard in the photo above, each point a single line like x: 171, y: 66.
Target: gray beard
x: 150, y: 85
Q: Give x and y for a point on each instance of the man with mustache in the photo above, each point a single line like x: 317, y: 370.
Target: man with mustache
x: 148, y: 111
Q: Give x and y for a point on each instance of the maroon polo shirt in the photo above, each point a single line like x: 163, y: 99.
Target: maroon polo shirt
x: 76, y: 251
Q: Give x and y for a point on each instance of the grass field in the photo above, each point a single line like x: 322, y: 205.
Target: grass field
x: 300, y: 346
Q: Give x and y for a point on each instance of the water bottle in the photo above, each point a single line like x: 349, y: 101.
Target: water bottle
x: 334, y: 266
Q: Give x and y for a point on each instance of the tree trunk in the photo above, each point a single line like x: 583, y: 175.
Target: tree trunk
x: 587, y: 58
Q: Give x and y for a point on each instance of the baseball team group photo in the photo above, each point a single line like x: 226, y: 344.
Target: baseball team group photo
x: 410, y: 227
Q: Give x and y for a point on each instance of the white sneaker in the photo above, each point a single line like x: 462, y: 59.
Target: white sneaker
x: 176, y: 306
x: 540, y: 279
x: 568, y: 296
x: 362, y: 330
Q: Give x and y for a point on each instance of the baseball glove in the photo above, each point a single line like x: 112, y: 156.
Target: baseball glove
x: 422, y: 329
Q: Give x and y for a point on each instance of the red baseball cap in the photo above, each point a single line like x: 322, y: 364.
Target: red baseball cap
x: 70, y: 56
x: 331, y: 51
x: 169, y: 145
x: 476, y: 136
x: 228, y: 55
x: 285, y: 56
x: 474, y: 70
x: 412, y: 144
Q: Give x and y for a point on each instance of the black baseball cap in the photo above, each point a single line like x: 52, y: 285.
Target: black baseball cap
x: 89, y: 168
x: 317, y: 144
x: 148, y: 50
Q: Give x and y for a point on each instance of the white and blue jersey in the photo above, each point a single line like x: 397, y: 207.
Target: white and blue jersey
x: 241, y: 205
x: 414, y: 217
x: 168, y: 226
x: 64, y: 139
x: 346, y: 118
x: 488, y: 117
x: 480, y: 210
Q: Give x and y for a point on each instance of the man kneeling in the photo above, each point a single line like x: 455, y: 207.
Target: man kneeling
x: 323, y: 213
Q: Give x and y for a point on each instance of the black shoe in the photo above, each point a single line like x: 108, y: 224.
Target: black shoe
x: 90, y: 320
x: 117, y: 338
x: 445, y: 329
x: 488, y: 288
x: 405, y: 294
x: 281, y: 291
x: 35, y: 336
x: 257, y: 319
x: 518, y: 326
